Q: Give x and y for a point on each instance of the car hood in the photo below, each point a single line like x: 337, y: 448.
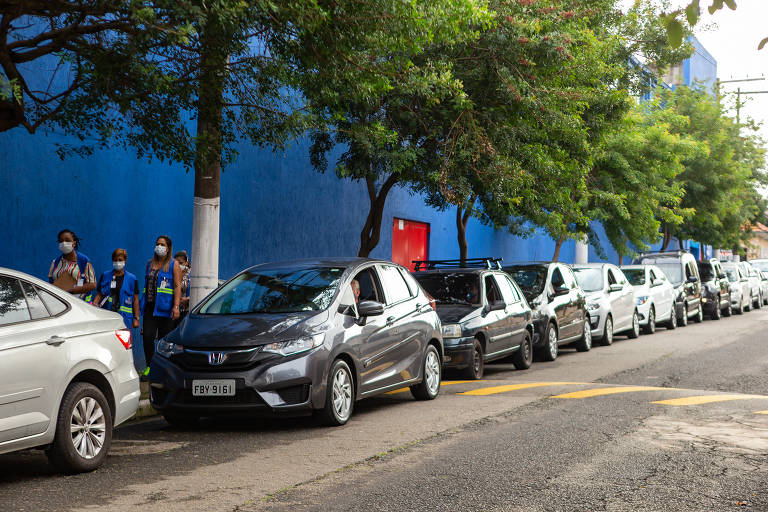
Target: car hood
x: 641, y: 289
x: 455, y: 314
x: 596, y: 296
x: 224, y: 331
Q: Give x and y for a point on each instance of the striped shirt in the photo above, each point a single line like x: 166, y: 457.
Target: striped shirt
x: 70, y: 267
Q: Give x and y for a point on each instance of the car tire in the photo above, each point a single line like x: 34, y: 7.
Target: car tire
x: 728, y: 309
x: 477, y: 365
x: 716, y: 313
x: 634, y: 332
x: 748, y: 306
x: 607, y: 332
x: 759, y: 302
x: 84, y: 409
x: 523, y: 357
x: 683, y: 320
x: 585, y: 342
x: 699, y: 315
x: 650, y: 327
x: 672, y: 322
x: 740, y: 309
x: 181, y: 421
x: 339, y: 395
x: 550, y: 350
x: 429, y: 387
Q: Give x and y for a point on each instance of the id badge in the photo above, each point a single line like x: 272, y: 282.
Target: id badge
x: 113, y: 285
x: 164, y: 283
x: 80, y: 281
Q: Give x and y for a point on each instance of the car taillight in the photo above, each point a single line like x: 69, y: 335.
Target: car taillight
x: 124, y: 336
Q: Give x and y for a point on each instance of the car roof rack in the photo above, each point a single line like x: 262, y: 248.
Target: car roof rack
x: 489, y: 263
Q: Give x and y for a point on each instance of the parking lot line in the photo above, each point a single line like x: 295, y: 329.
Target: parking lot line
x: 761, y: 412
x: 588, y: 393
x: 705, y: 399
x: 444, y: 383
x: 514, y: 387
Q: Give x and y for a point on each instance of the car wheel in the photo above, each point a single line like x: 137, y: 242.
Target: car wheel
x: 83, y: 429
x: 699, y: 315
x: 608, y: 332
x: 728, y: 309
x: 683, y: 320
x: 716, y: 313
x: 429, y: 387
x: 181, y: 421
x: 759, y: 302
x: 740, y: 309
x: 748, y: 305
x: 523, y: 358
x: 672, y: 322
x: 585, y: 342
x: 550, y: 350
x: 476, y: 366
x: 650, y: 328
x: 339, y: 394
x: 635, y: 331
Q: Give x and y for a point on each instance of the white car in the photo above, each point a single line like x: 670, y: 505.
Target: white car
x: 740, y: 291
x: 610, y: 301
x: 754, y: 284
x: 66, y: 373
x: 655, y: 296
x: 761, y: 265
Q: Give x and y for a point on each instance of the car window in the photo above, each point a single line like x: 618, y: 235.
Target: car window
x: 37, y: 309
x: 369, y: 289
x: 652, y: 276
x: 636, y: 276
x: 55, y: 305
x: 590, y: 279
x: 570, y: 279
x: 413, y: 286
x: 13, y: 306
x: 393, y: 283
x: 492, y: 293
x: 506, y: 289
x: 451, y: 288
x: 611, y: 278
x: 516, y: 292
x: 557, y: 278
x: 620, y: 277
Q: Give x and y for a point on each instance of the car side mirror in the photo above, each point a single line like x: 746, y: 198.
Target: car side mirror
x: 370, y: 308
x: 615, y: 288
x: 497, y: 305
x: 692, y: 279
x: 561, y: 290
x: 721, y: 276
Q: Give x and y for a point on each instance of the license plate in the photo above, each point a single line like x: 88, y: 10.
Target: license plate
x: 213, y: 387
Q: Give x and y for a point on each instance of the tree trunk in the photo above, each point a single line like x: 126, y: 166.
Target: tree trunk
x: 558, y: 245
x: 680, y: 243
x: 667, y: 237
x: 208, y: 149
x: 462, y: 217
x: 371, y: 233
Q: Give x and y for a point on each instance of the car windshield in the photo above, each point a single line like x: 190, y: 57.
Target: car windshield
x: 635, y: 276
x: 673, y: 269
x: 590, y: 279
x: 706, y: 273
x: 278, y: 290
x: 451, y: 288
x: 732, y: 273
x: 530, y: 279
x: 760, y: 264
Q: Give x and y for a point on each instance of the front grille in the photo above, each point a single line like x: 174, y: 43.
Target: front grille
x: 231, y: 359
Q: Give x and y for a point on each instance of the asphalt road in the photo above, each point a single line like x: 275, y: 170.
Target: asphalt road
x: 670, y: 421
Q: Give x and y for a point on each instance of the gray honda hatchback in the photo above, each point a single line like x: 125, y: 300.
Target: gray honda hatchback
x: 297, y: 337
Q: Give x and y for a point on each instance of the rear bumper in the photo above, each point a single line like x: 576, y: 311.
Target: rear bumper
x: 127, y: 392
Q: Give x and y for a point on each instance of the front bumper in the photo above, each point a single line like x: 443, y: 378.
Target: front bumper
x: 709, y: 304
x: 458, y: 352
x: 643, y: 312
x: 597, y: 322
x: 292, y: 387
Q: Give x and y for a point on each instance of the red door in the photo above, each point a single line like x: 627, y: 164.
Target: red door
x: 409, y: 241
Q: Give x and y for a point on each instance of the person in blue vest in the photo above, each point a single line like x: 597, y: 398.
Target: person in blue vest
x: 118, y: 290
x: 161, y: 296
x: 72, y: 267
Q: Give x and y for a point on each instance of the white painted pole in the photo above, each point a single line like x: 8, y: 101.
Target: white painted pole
x: 582, y: 252
x: 205, y: 249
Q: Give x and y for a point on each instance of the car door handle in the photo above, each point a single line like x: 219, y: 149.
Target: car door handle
x: 390, y: 320
x: 55, y: 340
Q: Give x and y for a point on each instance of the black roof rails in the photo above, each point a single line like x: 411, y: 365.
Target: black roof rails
x: 488, y: 263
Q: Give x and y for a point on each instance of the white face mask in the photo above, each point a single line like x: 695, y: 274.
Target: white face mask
x: 161, y: 250
x: 183, y: 267
x: 65, y: 247
x: 118, y: 265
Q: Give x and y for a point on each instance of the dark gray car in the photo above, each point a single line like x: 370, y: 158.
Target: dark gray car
x: 485, y: 317
x: 294, y: 337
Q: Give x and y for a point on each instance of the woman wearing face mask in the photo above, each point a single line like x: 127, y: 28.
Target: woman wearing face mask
x: 183, y: 260
x: 162, y: 295
x: 118, y: 290
x: 72, y: 270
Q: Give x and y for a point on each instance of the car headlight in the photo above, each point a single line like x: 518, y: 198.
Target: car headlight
x: 166, y: 349
x: 287, y: 348
x: 592, y: 306
x: 642, y: 300
x: 451, y: 331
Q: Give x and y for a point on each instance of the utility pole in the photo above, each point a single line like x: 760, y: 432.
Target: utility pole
x: 739, y: 92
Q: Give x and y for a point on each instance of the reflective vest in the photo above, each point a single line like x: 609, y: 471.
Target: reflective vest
x: 82, y: 263
x: 129, y: 289
x: 164, y: 290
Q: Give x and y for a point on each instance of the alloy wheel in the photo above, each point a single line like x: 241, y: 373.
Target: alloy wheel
x: 88, y: 427
x: 608, y: 336
x: 342, y: 394
x: 587, y: 335
x: 432, y: 372
x: 552, y: 343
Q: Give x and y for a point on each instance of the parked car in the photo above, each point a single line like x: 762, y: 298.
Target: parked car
x: 761, y: 265
x: 755, y: 284
x: 295, y: 337
x: 559, y: 307
x: 654, y: 295
x: 484, y: 315
x: 715, y: 289
x: 67, y: 374
x: 610, y: 301
x: 740, y: 292
x: 681, y: 270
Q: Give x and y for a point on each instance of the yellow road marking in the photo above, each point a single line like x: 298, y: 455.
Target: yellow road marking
x: 705, y: 399
x: 761, y: 412
x: 588, y: 393
x: 444, y: 383
x: 514, y: 387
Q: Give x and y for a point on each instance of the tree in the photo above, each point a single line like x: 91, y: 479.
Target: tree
x: 692, y: 13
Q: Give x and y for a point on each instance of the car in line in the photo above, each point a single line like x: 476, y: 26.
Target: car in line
x: 681, y: 270
x: 715, y: 289
x: 299, y: 337
x: 558, y: 304
x: 655, y: 297
x: 610, y: 300
x: 755, y: 284
x: 761, y: 265
x: 67, y: 373
x: 740, y: 292
x: 484, y: 315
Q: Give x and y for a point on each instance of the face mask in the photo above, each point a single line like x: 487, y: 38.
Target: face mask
x: 161, y: 250
x: 118, y: 265
x: 65, y: 247
x: 183, y: 267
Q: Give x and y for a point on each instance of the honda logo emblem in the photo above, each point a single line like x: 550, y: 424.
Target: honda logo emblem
x: 216, y: 358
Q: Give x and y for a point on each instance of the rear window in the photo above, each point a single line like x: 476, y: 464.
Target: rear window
x: 635, y: 276
x: 705, y: 272
x: 590, y: 279
x: 531, y: 279
x: 451, y: 288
